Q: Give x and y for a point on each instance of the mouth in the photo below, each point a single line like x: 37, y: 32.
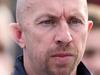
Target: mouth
x: 62, y: 58
x: 62, y: 55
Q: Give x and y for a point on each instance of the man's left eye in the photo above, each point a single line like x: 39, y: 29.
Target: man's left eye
x: 74, y: 20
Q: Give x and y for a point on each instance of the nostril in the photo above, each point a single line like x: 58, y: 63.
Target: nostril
x: 63, y: 43
x: 59, y: 42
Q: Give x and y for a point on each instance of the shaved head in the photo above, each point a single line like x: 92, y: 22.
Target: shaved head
x: 25, y: 5
x: 19, y: 10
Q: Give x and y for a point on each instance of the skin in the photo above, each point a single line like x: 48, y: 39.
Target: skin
x: 92, y: 54
x: 52, y: 34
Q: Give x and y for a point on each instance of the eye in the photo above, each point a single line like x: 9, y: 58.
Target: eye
x: 74, y: 21
x: 48, y: 22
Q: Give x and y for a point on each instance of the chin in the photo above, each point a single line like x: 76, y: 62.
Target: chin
x: 60, y: 70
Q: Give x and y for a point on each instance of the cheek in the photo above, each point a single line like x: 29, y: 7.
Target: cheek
x: 40, y: 42
x: 45, y: 44
x: 80, y: 42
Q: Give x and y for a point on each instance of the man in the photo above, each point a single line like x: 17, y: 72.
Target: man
x: 92, y: 54
x: 53, y: 36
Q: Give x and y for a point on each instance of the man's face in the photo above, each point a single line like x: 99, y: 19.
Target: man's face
x: 54, y: 32
x: 92, y: 54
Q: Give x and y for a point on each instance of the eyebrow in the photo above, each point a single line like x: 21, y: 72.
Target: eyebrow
x: 48, y: 15
x: 79, y: 15
x: 74, y: 12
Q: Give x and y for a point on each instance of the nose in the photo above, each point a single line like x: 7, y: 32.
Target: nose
x: 63, y: 35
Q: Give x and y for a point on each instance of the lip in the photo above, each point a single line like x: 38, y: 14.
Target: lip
x: 62, y: 55
x: 62, y: 58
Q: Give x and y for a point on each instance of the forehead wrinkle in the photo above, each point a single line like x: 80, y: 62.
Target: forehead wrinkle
x: 54, y: 9
x: 24, y: 6
x: 80, y: 10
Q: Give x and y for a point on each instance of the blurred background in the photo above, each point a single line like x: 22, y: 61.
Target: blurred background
x: 92, y: 53
x: 9, y: 50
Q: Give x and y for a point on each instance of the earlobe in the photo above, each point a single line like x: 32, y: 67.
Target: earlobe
x: 16, y: 34
x: 90, y: 25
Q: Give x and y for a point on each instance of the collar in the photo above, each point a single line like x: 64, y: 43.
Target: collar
x: 82, y: 70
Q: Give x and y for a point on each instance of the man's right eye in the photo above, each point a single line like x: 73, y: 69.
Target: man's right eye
x: 49, y: 21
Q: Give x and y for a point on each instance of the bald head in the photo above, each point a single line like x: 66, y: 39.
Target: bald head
x: 24, y: 6
x: 19, y: 10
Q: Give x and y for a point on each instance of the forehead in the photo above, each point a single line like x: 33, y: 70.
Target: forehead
x: 57, y: 6
x: 53, y: 2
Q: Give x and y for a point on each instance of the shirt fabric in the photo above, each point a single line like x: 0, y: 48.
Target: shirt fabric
x: 19, y: 68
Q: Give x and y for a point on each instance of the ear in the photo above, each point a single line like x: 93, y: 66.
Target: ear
x: 17, y: 34
x: 90, y: 25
